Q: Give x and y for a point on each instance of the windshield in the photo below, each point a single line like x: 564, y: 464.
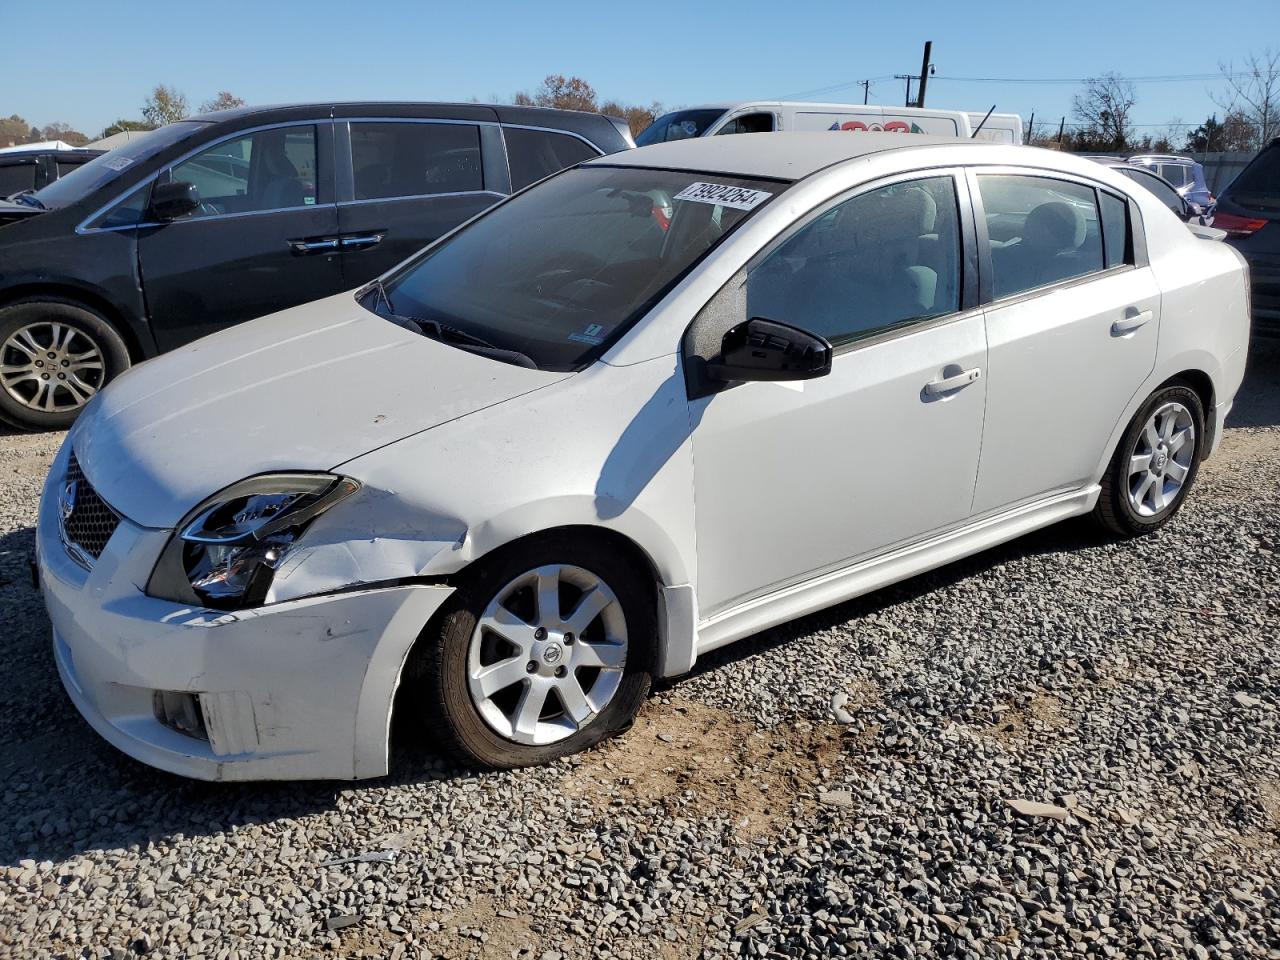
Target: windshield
x: 100, y: 171
x: 680, y: 125
x: 558, y: 273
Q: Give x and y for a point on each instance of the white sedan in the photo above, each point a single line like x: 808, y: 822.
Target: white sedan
x: 654, y: 404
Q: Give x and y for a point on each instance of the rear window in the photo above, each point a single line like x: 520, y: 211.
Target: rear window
x: 534, y: 154
x: 680, y: 125
x: 1259, y: 184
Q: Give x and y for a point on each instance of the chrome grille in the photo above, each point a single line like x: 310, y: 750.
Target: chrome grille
x: 87, y: 521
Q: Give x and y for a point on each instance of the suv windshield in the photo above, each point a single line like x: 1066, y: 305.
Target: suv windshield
x: 556, y: 274
x: 680, y: 125
x: 100, y: 171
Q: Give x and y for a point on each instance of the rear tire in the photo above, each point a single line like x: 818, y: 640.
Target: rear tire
x: 55, y: 356
x: 540, y: 684
x: 1154, y: 465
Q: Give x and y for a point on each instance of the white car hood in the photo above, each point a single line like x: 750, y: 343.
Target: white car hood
x: 306, y: 389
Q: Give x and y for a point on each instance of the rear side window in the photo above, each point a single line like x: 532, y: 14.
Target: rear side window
x: 1259, y: 183
x: 269, y: 170
x: 17, y: 176
x: 1175, y: 173
x: 534, y: 154
x: 1042, y: 231
x: 883, y: 259
x: 66, y: 166
x: 1166, y: 194
x: 401, y: 159
x: 1115, y: 230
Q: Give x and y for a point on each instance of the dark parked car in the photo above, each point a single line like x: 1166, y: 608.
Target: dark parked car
x: 1249, y: 210
x: 221, y: 218
x: 22, y: 170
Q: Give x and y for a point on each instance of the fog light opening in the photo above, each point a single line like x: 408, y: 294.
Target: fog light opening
x: 181, y: 712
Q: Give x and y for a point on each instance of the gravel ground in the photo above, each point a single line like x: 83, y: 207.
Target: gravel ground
x: 1066, y: 746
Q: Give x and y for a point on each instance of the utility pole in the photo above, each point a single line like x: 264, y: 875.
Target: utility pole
x: 1062, y: 127
x: 907, y: 77
x: 866, y: 89
x: 1031, y: 127
x: 924, y: 72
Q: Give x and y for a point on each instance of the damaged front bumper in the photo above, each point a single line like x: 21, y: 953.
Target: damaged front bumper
x: 300, y: 689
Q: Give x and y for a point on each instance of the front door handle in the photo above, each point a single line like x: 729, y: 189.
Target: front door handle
x: 301, y: 248
x: 1132, y: 320
x: 947, y: 384
x: 361, y: 241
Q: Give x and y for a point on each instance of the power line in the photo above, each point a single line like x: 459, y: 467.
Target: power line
x: 1162, y: 78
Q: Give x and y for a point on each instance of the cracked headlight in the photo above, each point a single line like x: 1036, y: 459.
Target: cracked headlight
x: 226, y: 551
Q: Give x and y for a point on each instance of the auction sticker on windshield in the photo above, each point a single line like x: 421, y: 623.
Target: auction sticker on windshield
x: 740, y: 198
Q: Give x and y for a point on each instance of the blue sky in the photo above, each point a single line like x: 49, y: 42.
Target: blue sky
x: 88, y: 63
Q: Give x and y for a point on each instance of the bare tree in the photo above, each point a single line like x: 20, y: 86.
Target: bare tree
x: 1253, y: 94
x: 65, y: 132
x: 225, y: 100
x: 1103, y: 109
x: 561, y: 92
x: 165, y: 105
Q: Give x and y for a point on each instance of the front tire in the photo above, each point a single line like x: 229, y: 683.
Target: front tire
x: 1154, y: 465
x: 54, y: 358
x: 544, y: 651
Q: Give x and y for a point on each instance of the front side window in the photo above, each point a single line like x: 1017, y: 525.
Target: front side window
x: 749, y: 123
x: 268, y: 170
x: 560, y: 272
x: 1042, y: 231
x: 415, y: 159
x: 880, y: 260
x: 534, y: 154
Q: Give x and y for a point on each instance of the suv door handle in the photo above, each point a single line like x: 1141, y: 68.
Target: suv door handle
x: 300, y: 248
x: 1133, y: 319
x: 360, y: 241
x: 947, y: 384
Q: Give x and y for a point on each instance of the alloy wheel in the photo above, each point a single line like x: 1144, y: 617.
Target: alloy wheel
x: 547, y: 655
x: 1161, y: 459
x: 51, y: 367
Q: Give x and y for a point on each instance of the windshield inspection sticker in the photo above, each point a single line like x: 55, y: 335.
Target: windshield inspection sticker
x: 591, y: 335
x: 118, y: 163
x: 740, y: 198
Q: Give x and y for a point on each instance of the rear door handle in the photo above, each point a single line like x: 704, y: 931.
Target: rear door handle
x: 1133, y: 319
x: 301, y: 248
x: 947, y: 384
x: 361, y: 241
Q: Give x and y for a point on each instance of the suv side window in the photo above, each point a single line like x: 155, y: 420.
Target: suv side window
x: 268, y: 170
x: 882, y: 259
x: 534, y: 154
x: 1175, y: 173
x: 16, y: 176
x: 1042, y: 231
x: 403, y: 159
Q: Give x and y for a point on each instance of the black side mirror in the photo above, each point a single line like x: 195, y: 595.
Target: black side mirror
x: 175, y: 199
x: 762, y: 349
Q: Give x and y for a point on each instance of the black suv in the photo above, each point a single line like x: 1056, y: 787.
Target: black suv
x: 1249, y: 210
x: 31, y: 169
x: 225, y: 217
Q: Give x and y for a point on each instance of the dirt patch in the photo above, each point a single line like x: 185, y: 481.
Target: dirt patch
x: 695, y: 760
x: 1043, y: 713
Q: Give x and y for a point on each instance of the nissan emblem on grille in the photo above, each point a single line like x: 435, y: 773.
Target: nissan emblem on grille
x: 87, y: 521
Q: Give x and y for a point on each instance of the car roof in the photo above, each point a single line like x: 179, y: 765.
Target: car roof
x: 778, y: 156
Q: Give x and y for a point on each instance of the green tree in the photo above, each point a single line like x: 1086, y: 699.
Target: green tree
x: 14, y: 130
x: 122, y: 125
x: 165, y: 105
